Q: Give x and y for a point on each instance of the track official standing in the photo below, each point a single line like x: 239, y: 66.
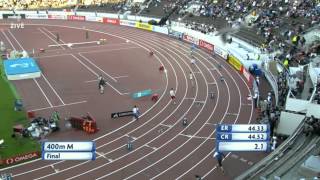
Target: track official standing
x: 58, y: 37
x: 219, y: 157
x: 102, y: 84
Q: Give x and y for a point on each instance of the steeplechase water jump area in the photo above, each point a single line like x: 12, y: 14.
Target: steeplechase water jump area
x: 62, y: 75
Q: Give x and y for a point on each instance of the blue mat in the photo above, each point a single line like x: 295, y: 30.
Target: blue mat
x: 20, y: 66
x: 143, y: 93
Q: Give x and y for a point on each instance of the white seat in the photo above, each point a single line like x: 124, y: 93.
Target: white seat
x: 1, y: 141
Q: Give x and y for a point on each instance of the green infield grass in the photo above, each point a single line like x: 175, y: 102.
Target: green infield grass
x: 9, y: 118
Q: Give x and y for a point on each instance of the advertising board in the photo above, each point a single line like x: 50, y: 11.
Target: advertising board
x: 111, y: 21
x: 190, y: 39
x: 57, y: 16
x: 20, y: 158
x: 235, y: 63
x: 144, y: 26
x: 76, y: 18
x: 36, y: 16
x: 162, y: 30
x: 206, y: 45
x: 127, y: 23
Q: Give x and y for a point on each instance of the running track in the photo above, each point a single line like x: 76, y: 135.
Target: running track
x: 163, y: 149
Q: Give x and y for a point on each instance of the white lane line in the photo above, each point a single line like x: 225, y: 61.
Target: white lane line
x: 15, y: 39
x: 200, y: 102
x: 166, y: 125
x: 93, y: 64
x: 73, y: 43
x: 5, y: 35
x: 44, y: 77
x: 93, y: 72
x: 53, y: 40
x: 232, y: 114
x: 213, y: 83
x: 91, y: 81
x: 108, y: 50
x: 197, y: 137
x: 118, y: 77
x: 45, y: 29
x: 211, y: 124
x: 69, y: 104
x: 89, y: 47
x: 154, y: 148
x: 56, y: 55
x: 101, y: 154
x: 44, y: 94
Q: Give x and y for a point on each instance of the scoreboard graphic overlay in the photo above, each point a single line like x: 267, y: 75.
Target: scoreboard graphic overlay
x: 242, y: 137
x: 68, y: 150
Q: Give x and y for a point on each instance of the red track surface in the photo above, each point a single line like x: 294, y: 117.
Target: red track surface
x: 163, y: 148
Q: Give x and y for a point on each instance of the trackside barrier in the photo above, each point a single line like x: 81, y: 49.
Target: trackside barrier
x: 111, y: 21
x: 235, y: 63
x: 36, y: 16
x: 94, y: 19
x: 248, y: 77
x: 205, y: 45
x: 190, y: 39
x: 162, y: 30
x: 76, y: 18
x: 127, y: 23
x: 144, y: 26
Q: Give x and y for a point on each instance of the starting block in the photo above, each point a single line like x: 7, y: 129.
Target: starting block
x: 41, y: 50
x: 143, y: 93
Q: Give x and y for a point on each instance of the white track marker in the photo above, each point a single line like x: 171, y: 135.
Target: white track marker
x: 71, y: 44
x: 118, y: 77
x: 89, y: 61
x: 69, y: 104
x: 93, y: 72
x: 198, y: 137
x: 50, y: 38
